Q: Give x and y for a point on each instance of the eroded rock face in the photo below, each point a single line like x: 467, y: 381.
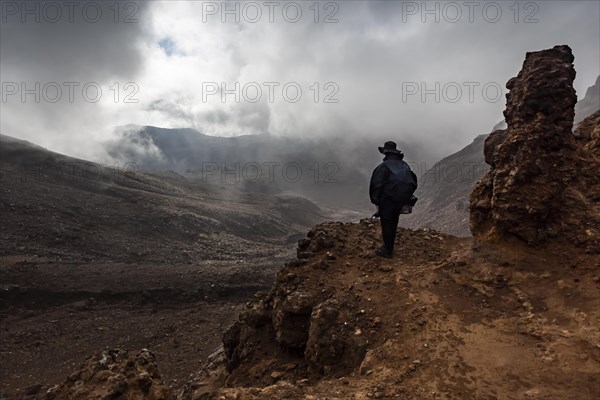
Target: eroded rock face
x: 114, y: 374
x: 330, y: 347
x: 536, y: 189
x: 300, y: 326
x: 542, y: 94
x: 291, y: 318
x: 241, y: 339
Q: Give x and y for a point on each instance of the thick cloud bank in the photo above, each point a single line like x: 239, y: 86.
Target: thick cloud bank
x: 431, y: 73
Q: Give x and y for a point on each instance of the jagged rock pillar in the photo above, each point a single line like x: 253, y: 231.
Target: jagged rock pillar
x: 531, y: 161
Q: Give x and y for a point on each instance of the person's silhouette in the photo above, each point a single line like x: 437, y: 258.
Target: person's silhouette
x: 392, y: 185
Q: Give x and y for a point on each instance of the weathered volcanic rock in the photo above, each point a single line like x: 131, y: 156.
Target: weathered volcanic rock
x: 114, y: 374
x: 291, y: 316
x: 330, y: 347
x: 301, y: 324
x: 541, y: 186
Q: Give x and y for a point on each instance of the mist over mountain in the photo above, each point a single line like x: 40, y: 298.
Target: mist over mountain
x: 159, y: 206
x: 333, y: 172
x: 370, y: 51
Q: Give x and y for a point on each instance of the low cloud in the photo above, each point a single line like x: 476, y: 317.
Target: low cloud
x: 357, y: 76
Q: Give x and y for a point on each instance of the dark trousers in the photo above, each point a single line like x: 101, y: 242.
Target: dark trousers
x: 389, y: 214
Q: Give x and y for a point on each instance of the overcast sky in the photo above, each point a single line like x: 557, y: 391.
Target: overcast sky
x: 163, y: 64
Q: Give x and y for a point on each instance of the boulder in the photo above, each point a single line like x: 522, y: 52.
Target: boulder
x: 114, y: 374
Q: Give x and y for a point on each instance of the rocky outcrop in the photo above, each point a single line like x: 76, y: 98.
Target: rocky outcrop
x: 301, y: 321
x: 343, y: 324
x: 444, y: 189
x: 541, y: 186
x: 114, y: 374
x: 318, y: 320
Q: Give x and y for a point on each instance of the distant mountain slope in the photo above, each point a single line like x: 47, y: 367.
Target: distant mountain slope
x: 589, y: 104
x: 332, y: 172
x: 444, y: 191
x: 58, y: 206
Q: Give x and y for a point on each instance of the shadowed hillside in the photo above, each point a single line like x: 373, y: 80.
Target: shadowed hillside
x: 91, y: 254
x: 99, y: 210
x: 444, y: 190
x: 589, y: 104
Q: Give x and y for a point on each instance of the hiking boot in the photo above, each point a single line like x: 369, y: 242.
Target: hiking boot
x: 383, y: 252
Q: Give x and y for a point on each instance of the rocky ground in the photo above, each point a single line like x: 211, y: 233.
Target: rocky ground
x: 54, y: 315
x: 437, y: 322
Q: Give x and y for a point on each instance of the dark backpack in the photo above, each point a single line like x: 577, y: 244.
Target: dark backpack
x: 402, y: 183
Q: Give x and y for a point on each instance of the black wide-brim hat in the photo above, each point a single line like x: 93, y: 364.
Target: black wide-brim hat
x: 389, y: 147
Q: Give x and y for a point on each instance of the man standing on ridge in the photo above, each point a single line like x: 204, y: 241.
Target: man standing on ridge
x: 391, y: 188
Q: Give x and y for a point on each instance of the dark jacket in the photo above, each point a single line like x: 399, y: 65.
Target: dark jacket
x: 383, y: 185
